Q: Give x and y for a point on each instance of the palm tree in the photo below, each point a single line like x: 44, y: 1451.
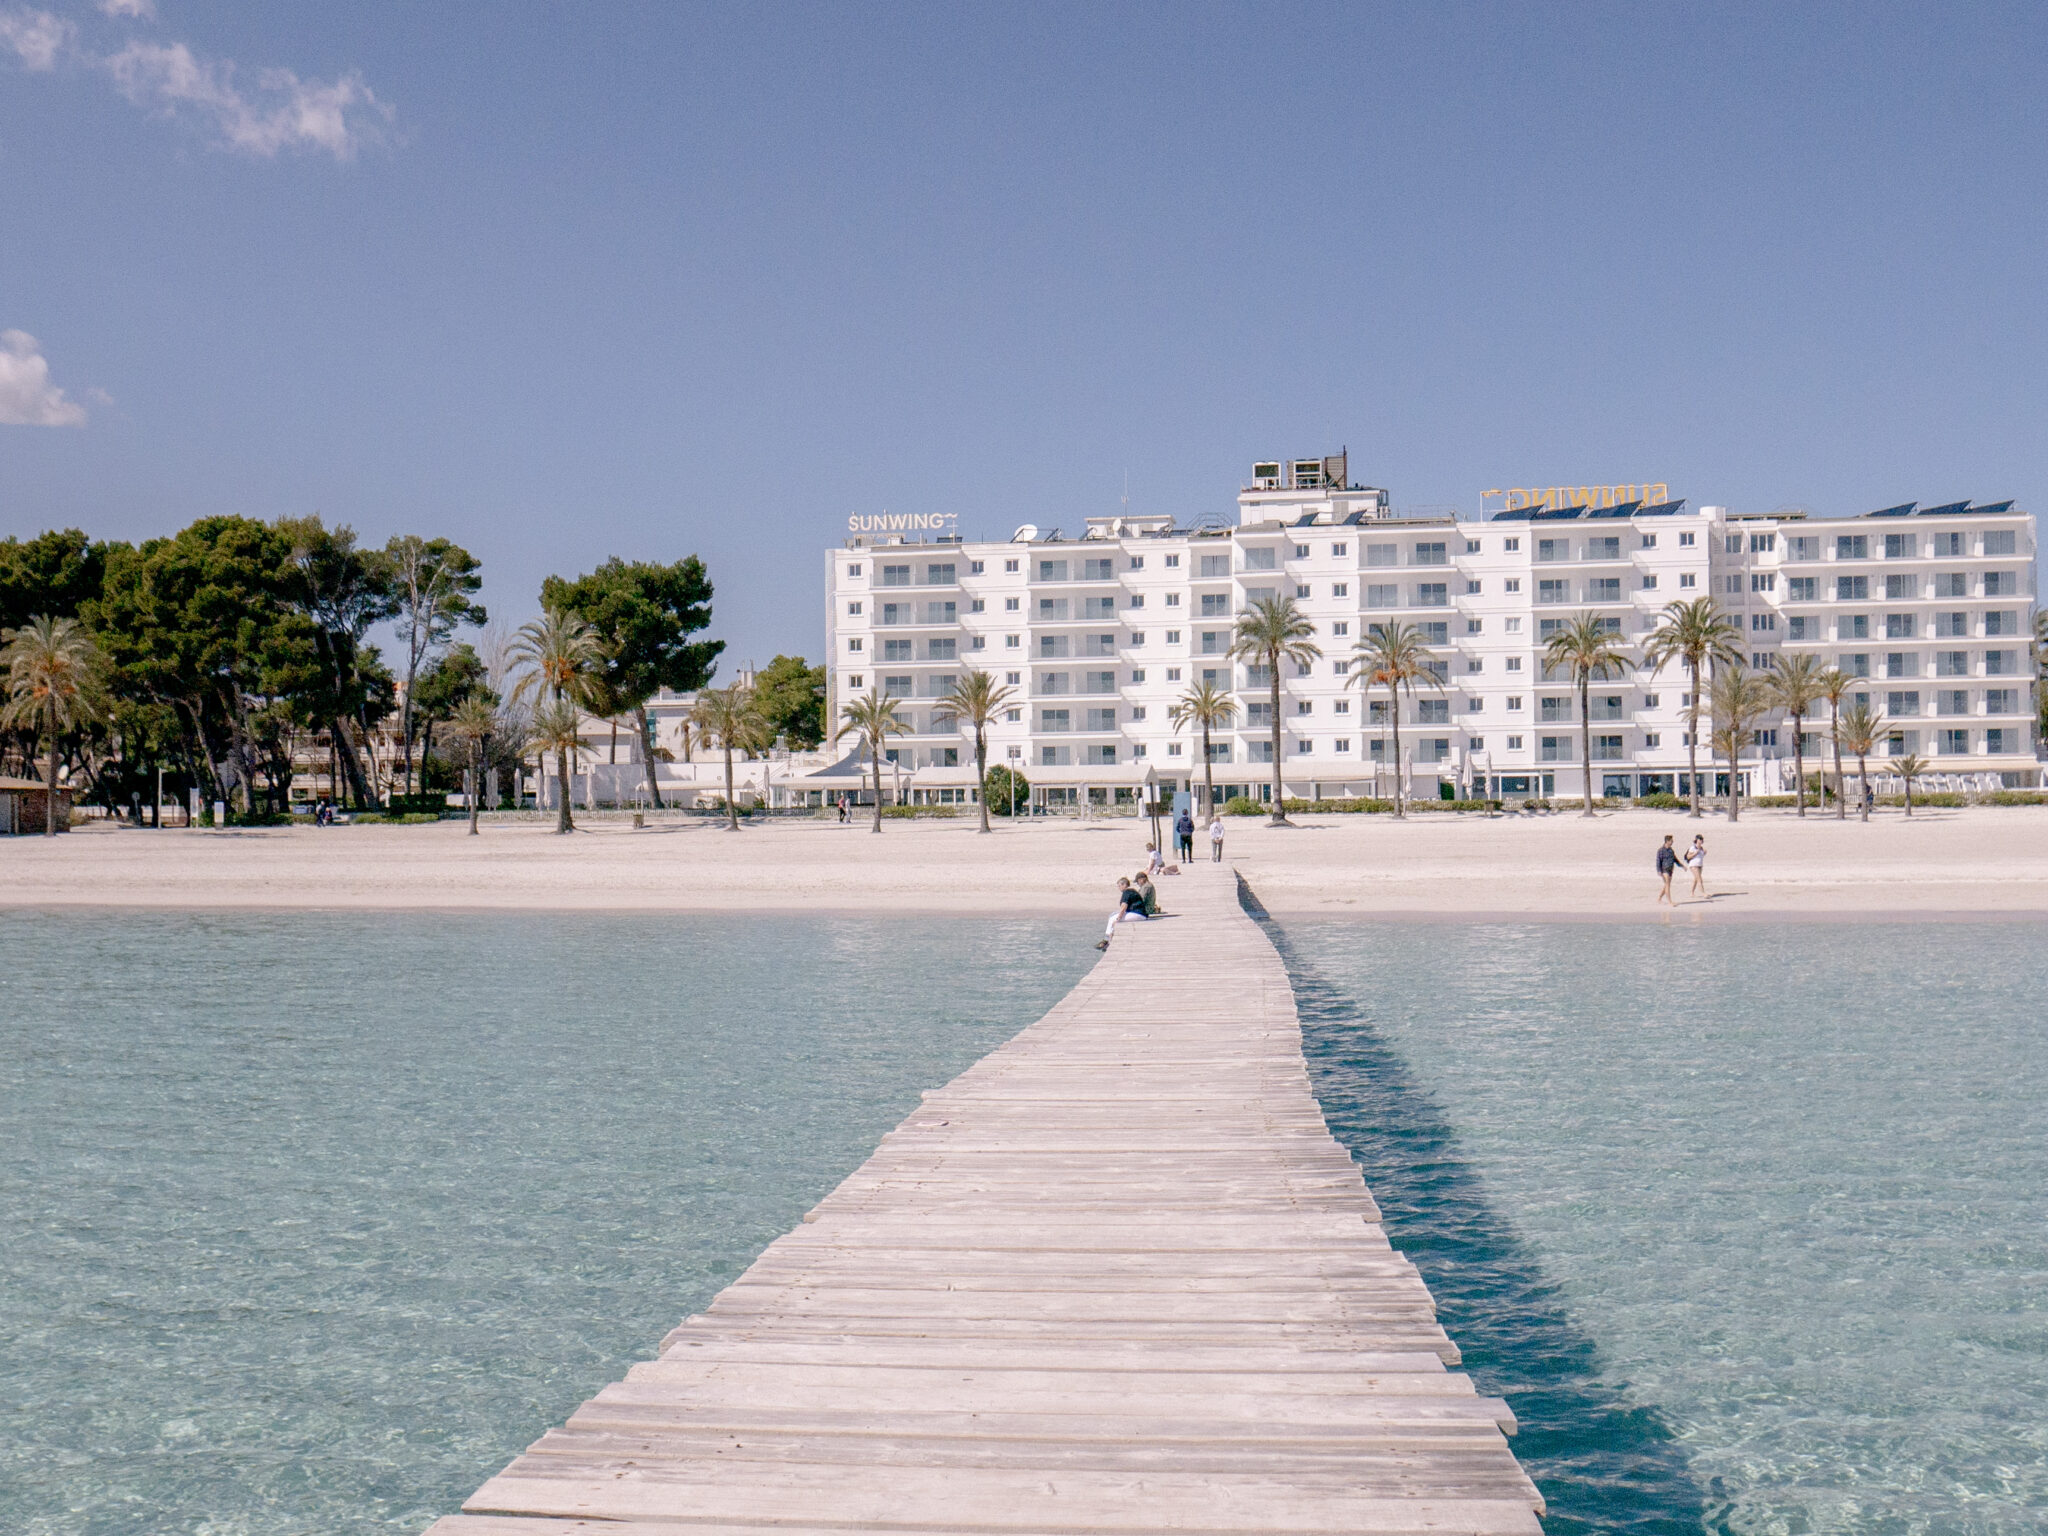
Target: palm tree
x: 1207, y: 706
x: 1740, y: 699
x: 1696, y: 634
x: 558, y: 728
x: 871, y: 719
x: 734, y: 717
x: 1273, y: 631
x: 1394, y: 657
x: 1590, y: 649
x: 1835, y: 685
x: 560, y: 655
x: 475, y: 722
x: 56, y: 681
x: 977, y: 698
x: 1859, y: 730
x: 1909, y: 768
x: 1797, y: 684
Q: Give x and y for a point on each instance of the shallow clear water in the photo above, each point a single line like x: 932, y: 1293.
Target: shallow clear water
x: 1746, y: 1221
x: 311, y: 1223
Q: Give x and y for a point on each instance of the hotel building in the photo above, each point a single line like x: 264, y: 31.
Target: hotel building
x: 1099, y: 632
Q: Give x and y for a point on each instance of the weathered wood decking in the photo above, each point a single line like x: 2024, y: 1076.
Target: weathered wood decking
x: 1115, y: 1277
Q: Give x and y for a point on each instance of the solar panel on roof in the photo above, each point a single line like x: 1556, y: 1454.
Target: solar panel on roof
x: 1661, y: 508
x: 1514, y: 515
x: 1625, y: 509
x: 1905, y: 509
x: 1949, y: 509
x: 1994, y: 506
x: 1559, y: 514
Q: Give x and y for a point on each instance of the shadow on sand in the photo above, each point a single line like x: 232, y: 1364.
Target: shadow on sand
x: 1604, y: 1463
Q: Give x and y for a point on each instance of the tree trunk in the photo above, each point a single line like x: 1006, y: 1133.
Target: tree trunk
x: 646, y: 729
x: 1692, y: 739
x: 476, y: 781
x: 615, y: 741
x: 350, y: 764
x: 1835, y: 741
x: 426, y: 751
x: 1208, y: 779
x: 564, y: 822
x: 1909, y: 796
x: 981, y: 771
x: 1586, y: 736
x: 1862, y: 788
x: 1394, y: 714
x: 50, y: 775
x: 1279, y: 816
x: 732, y: 809
x: 875, y: 752
x: 1734, y: 778
x: 1799, y: 764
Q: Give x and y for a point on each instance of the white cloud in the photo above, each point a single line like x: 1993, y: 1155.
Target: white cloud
x: 36, y: 37
x: 141, y: 10
x: 27, y: 397
x: 287, y: 113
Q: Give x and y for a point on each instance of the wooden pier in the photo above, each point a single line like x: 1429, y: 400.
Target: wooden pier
x: 1116, y: 1277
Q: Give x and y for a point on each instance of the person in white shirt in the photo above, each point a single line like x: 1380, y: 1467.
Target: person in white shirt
x: 1216, y: 841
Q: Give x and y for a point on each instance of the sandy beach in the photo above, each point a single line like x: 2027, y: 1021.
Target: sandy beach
x: 1939, y: 864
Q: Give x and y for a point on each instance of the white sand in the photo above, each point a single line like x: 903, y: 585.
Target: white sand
x: 1991, y: 860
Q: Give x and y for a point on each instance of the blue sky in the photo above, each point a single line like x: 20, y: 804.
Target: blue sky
x: 567, y: 282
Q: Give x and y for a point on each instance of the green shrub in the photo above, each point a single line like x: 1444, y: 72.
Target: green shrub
x: 1945, y: 798
x: 2014, y: 797
x: 1001, y: 787
x: 1661, y: 801
x: 1243, y: 805
x: 428, y: 805
x: 911, y: 812
x: 1773, y: 802
x: 1345, y: 807
x: 1449, y: 805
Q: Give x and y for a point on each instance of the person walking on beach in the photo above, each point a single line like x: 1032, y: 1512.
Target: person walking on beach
x: 1216, y: 840
x: 1667, y: 865
x: 1184, y: 833
x: 1696, y: 861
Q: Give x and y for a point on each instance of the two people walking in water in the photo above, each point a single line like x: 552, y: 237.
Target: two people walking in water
x: 1669, y: 860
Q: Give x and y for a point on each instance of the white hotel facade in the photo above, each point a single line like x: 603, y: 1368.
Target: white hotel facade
x: 1099, y: 632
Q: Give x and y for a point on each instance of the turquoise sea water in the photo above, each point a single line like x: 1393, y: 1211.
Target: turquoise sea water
x: 311, y: 1223
x: 1747, y: 1222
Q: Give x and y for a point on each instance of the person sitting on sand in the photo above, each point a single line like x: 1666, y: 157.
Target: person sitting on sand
x: 1130, y: 908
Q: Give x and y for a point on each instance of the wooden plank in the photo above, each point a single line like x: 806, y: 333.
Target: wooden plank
x: 1116, y: 1278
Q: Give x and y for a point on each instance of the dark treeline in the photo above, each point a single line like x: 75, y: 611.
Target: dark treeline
x: 218, y: 653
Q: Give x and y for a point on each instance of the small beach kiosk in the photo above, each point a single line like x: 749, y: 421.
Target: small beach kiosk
x: 22, y: 803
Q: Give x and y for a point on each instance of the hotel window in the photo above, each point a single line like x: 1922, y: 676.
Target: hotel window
x: 1474, y: 706
x: 1685, y: 541
x: 1649, y: 581
x: 1652, y: 739
x: 1173, y: 637
x: 1856, y: 664
x: 1138, y: 710
x: 1649, y: 541
x: 855, y: 680
x: 1052, y: 570
x: 1607, y: 547
x: 895, y: 575
x: 1951, y: 663
x: 1254, y: 560
x: 1102, y: 719
x: 1853, y: 626
x: 1952, y: 701
x: 1303, y: 748
x: 1555, y: 749
x: 1555, y: 709
x: 1898, y: 546
x: 942, y: 650
x: 1012, y: 642
x: 1013, y: 715
x: 1512, y: 546
x: 1472, y: 588
x: 1901, y: 664
x: 1513, y: 584
x: 1760, y: 661
x: 900, y: 685
x: 1340, y: 628
x: 975, y: 567
x: 1382, y: 554
x: 1762, y: 543
x: 1762, y: 621
x: 1137, y: 637
x: 1173, y: 674
x: 1340, y: 667
x: 1098, y: 608
x: 895, y: 650
x: 1341, y: 744
x: 1010, y: 566
x: 2003, y: 542
x: 1137, y: 562
x: 1898, y: 626
x: 1341, y: 707
x: 1900, y: 589
x: 1471, y: 546
x: 1514, y: 626
x: 1215, y: 605
x: 1549, y: 591
x: 854, y: 644
x: 1733, y: 543
x: 2000, y: 622
x: 1514, y: 742
x: 1173, y: 749
x: 939, y: 575
x: 1012, y: 604
x: 2001, y: 701
x: 1172, y: 562
x: 1852, y: 546
x: 1431, y: 554
x: 978, y: 643
x: 1435, y: 632
x: 2001, y: 583
x: 1999, y: 663
x: 1137, y: 600
x: 977, y: 605
x: 1731, y: 585
x: 1475, y: 664
x: 1902, y: 701
x: 1301, y: 551
x: 1055, y: 757
x: 1514, y: 663
x: 1054, y: 682
x: 1173, y: 599
x: 853, y: 570
x: 1341, y: 589
x: 1475, y: 626
x: 1686, y: 578
x: 1763, y: 583
x: 1053, y: 645
x: 1382, y: 596
x: 1301, y: 591
x: 1214, y: 566
x: 1802, y: 547
x: 853, y: 608
x: 1604, y: 589
x: 1948, y: 546
x: 1953, y: 743
x: 1606, y: 749
x: 1553, y: 549
x: 1340, y: 550
x: 1051, y: 608
x: 1097, y: 570
x: 1800, y: 589
x: 2001, y: 739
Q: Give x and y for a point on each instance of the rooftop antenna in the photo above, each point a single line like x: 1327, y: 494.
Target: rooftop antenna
x: 1127, y: 491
